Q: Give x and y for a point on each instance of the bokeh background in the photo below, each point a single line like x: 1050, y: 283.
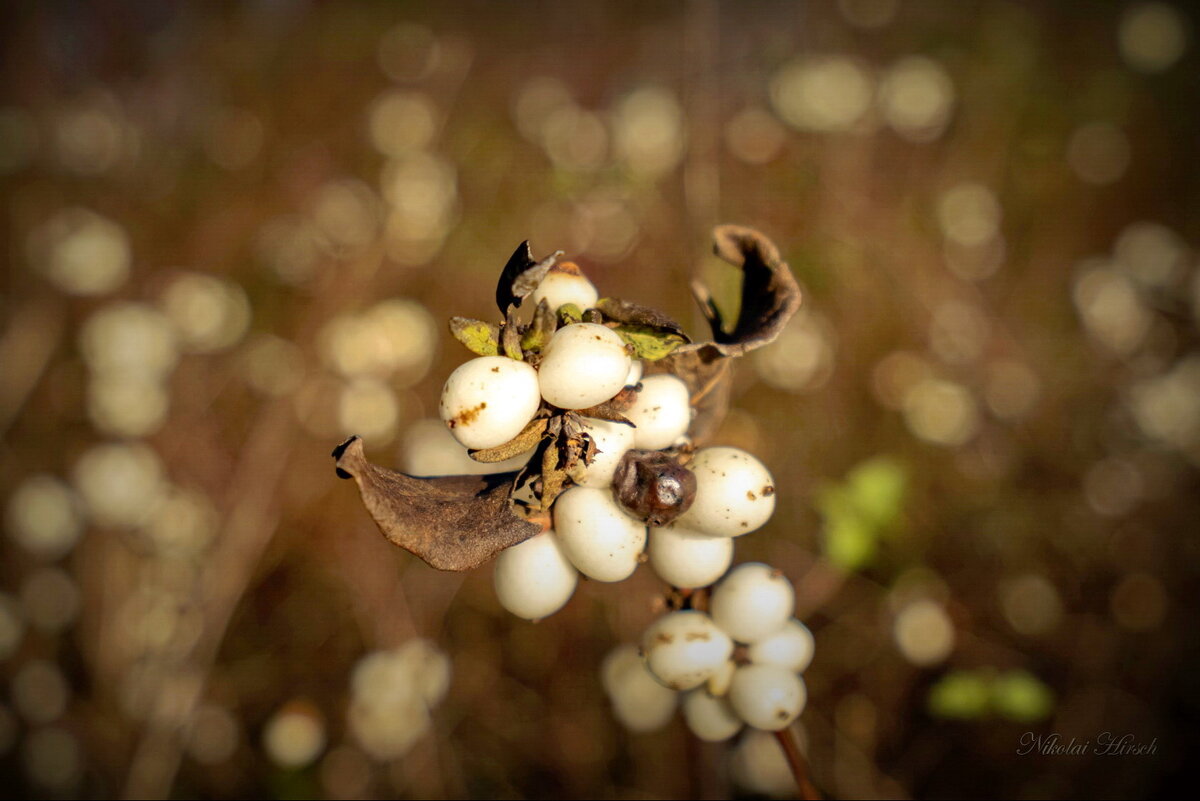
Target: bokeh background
x: 233, y: 234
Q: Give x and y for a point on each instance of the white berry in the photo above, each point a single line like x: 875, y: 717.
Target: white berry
x: 735, y: 493
x: 639, y: 701
x: 711, y: 719
x: 661, y: 413
x: 683, y: 649
x: 718, y: 683
x: 753, y: 602
x: 597, y: 536
x: 685, y: 558
x: 583, y: 365
x: 487, y: 401
x: 635, y: 373
x: 561, y: 287
x: 612, y: 440
x: 791, y: 647
x: 534, y: 579
x: 767, y: 697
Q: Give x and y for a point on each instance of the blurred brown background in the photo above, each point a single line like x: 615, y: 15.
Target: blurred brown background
x: 233, y: 234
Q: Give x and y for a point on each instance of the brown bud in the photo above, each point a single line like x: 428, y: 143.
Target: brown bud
x: 653, y: 487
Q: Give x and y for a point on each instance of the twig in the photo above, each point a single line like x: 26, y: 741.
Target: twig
x: 798, y: 764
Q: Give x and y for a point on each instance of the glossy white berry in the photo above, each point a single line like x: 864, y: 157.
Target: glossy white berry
x: 639, y: 701
x: 683, y: 649
x: 534, y: 579
x: 686, y: 558
x: 735, y: 493
x: 718, y: 683
x: 561, y: 287
x: 767, y: 696
x: 711, y: 719
x: 487, y: 401
x: 596, y: 535
x: 612, y: 440
x: 661, y: 413
x: 635, y: 373
x: 791, y: 647
x: 584, y: 364
x: 753, y: 602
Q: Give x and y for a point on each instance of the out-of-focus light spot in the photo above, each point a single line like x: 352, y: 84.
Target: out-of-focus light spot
x: 1139, y: 602
x: 1151, y: 254
x: 537, y: 99
x: 295, y: 735
x: 1167, y: 407
x: 1113, y: 486
x: 923, y: 633
x: 51, y: 599
x: 120, y: 483
x: 857, y: 716
x: 754, y: 136
x: 408, y: 52
x: 395, y: 336
x: 289, y: 248
x: 212, y: 737
x: 895, y: 374
x: 209, y: 313
x: 1098, y: 152
x: 555, y: 225
x: 1151, y: 36
x: 802, y: 359
x: 316, y: 403
x: 422, y: 192
x: 916, y: 97
x: 44, y: 516
x: 369, y: 408
x: 429, y: 449
x: 183, y: 524
x: 89, y: 137
x: 233, y: 138
x: 759, y: 765
x: 12, y: 626
x: 1010, y: 389
x: 575, y: 139
x: 273, y: 365
x: 607, y: 224
x: 958, y: 332
x: 346, y: 215
x: 40, y: 692
x: 1031, y: 604
x: 940, y: 411
x: 648, y: 131
x: 399, y: 122
x: 18, y: 139
x: 392, y: 693
x: 975, y: 262
x: 52, y: 759
x: 825, y: 94
x: 969, y: 214
x: 129, y: 339
x: 81, y: 252
x: 1112, y: 311
x: 868, y: 13
x: 345, y: 773
x: 127, y: 405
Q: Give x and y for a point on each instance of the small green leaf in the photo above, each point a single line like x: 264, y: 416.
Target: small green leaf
x: 569, y: 313
x: 959, y: 695
x: 648, y: 344
x: 479, y: 337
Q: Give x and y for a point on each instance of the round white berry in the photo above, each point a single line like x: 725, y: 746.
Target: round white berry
x: 685, y: 558
x: 735, y: 493
x: 561, y: 287
x: 583, y: 365
x: 753, y: 602
x: 711, y: 719
x: 718, y: 683
x: 487, y: 401
x: 534, y: 579
x: 612, y: 440
x: 767, y: 696
x: 661, y: 412
x: 683, y: 649
x: 635, y: 373
x: 597, y: 536
x: 639, y: 701
x: 791, y: 647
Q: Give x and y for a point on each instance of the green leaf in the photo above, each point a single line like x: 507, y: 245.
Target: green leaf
x: 1022, y: 697
x: 569, y: 313
x: 959, y: 695
x: 648, y: 344
x: 479, y: 337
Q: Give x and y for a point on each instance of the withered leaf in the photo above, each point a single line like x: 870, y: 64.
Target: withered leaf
x: 527, y: 440
x: 770, y: 296
x: 635, y: 314
x: 510, y: 335
x: 477, y: 336
x: 541, y: 329
x: 451, y: 522
x: 521, y: 275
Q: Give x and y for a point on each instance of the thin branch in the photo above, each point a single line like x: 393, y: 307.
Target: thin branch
x: 798, y: 764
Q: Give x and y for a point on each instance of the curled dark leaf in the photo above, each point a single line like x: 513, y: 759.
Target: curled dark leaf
x: 451, y: 522
x: 638, y: 316
x: 521, y: 275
